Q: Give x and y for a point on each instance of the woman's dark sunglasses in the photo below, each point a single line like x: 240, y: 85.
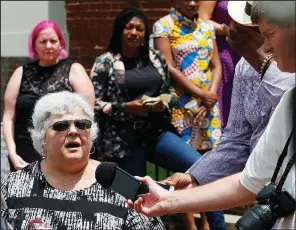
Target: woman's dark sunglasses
x: 64, y: 125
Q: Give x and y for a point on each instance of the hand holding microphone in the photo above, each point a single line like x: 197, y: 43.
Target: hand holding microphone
x: 154, y: 203
x: 109, y: 175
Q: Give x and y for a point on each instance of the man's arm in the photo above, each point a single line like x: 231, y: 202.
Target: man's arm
x: 231, y: 154
x: 219, y: 195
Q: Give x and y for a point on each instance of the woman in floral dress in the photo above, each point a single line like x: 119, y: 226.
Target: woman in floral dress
x: 191, y: 52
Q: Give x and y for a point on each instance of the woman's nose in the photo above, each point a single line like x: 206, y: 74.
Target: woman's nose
x: 48, y: 44
x: 267, y: 48
x: 72, y: 129
x: 133, y: 31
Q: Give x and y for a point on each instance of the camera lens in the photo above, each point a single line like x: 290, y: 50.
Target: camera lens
x: 258, y: 217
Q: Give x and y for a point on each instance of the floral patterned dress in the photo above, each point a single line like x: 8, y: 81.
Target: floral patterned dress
x: 192, y: 48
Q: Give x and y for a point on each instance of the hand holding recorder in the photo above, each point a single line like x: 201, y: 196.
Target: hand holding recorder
x: 109, y: 175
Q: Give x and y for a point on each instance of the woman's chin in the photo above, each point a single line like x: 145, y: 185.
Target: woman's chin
x: 49, y: 58
x: 133, y: 45
x: 73, y: 154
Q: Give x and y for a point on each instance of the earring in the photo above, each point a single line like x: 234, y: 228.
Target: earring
x: 92, y: 151
x: 143, y: 44
x: 43, y: 150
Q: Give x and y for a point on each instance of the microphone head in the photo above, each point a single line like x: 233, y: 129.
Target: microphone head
x: 105, y: 173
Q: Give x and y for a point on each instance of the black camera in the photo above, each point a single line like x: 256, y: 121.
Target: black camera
x: 271, y: 205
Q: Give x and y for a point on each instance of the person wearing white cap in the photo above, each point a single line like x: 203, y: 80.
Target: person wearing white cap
x: 240, y: 11
x: 241, y: 188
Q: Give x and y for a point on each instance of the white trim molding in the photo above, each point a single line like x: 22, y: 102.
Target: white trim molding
x: 18, y: 19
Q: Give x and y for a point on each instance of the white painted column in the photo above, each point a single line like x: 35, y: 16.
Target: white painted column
x: 18, y: 18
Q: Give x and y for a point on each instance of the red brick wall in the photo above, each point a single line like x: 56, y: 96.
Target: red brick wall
x: 8, y: 66
x: 90, y: 24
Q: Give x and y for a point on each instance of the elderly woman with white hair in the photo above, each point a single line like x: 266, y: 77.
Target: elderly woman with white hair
x: 61, y: 190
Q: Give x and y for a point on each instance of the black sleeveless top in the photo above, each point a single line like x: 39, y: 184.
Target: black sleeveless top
x: 141, y: 81
x: 36, y: 82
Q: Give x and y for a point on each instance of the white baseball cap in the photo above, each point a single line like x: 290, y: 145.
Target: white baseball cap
x: 240, y: 11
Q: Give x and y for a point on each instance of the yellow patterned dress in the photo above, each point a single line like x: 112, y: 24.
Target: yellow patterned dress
x: 192, y: 48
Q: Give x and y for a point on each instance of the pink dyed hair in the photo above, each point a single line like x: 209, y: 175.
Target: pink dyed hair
x: 63, y: 54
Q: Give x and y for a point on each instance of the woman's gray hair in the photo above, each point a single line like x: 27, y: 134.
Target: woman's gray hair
x: 57, y: 104
x: 280, y: 13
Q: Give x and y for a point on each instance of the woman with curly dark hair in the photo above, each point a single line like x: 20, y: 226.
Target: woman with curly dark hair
x: 133, y: 101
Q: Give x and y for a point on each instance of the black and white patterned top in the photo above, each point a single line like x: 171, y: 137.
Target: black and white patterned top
x: 29, y: 196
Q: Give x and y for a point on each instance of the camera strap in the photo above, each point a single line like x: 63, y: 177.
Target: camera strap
x: 280, y: 162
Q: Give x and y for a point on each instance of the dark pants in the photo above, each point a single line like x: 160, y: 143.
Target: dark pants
x: 171, y: 152
x: 174, y: 154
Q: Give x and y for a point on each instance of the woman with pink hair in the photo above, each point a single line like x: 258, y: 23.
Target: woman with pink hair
x: 51, y: 71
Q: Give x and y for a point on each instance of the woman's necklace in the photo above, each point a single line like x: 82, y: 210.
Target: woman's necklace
x: 63, y: 184
x: 60, y: 183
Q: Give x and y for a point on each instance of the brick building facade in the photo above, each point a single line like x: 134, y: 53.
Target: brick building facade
x: 90, y: 24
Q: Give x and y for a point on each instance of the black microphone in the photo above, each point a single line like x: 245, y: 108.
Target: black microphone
x: 109, y: 175
x: 37, y: 225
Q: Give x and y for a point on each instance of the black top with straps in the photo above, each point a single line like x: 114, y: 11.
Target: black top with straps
x: 36, y: 82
